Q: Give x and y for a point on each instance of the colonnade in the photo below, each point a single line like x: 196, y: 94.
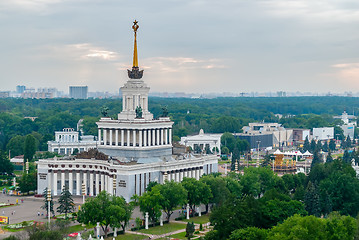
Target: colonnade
x: 93, y: 182
x: 130, y: 102
x: 135, y: 137
x: 178, y: 175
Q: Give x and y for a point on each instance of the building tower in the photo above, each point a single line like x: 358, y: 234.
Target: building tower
x: 136, y: 135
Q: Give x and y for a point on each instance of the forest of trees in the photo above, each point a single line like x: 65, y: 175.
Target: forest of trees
x: 189, y: 115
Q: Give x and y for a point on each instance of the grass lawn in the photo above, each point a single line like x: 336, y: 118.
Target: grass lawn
x: 166, y: 228
x: 78, y: 228
x: 202, y: 219
x: 181, y: 235
x: 128, y: 236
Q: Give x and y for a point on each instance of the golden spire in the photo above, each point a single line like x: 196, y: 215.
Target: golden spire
x: 135, y: 73
x: 135, y: 58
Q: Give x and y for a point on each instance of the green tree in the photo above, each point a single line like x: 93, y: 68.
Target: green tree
x: 218, y: 188
x: 309, y: 227
x: 151, y: 202
x: 346, y: 157
x: 332, y: 144
x: 224, y: 150
x: 312, y: 200
x: 198, y: 192
x: 306, y: 145
x: 28, y: 182
x: 66, y: 203
x: 5, y: 165
x: 325, y: 146
x: 236, y: 156
x: 249, y: 233
x: 106, y: 209
x: 189, y: 230
x: 16, y: 145
x: 313, y: 146
x: 329, y: 157
x: 317, y: 158
x: 46, y: 203
x: 29, y: 148
x: 228, y: 140
x: 173, y: 195
x: 235, y: 213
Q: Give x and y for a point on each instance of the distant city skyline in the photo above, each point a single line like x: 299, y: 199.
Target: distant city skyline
x: 184, y: 46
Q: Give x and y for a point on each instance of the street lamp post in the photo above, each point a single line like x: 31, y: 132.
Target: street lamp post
x: 83, y: 192
x: 48, y: 204
x: 258, y: 142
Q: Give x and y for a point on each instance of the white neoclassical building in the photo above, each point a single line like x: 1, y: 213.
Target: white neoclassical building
x: 67, y: 140
x: 202, y: 140
x: 139, y: 149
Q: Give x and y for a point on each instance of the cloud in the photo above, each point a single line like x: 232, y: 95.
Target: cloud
x: 178, y: 64
x: 348, y: 72
x: 336, y: 10
x: 32, y: 5
x: 82, y: 51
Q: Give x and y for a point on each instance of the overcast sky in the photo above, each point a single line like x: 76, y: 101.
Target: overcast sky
x: 184, y: 45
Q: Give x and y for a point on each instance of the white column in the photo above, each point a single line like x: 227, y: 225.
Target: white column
x: 55, y: 184
x: 200, y: 172
x: 122, y: 137
x: 128, y: 137
x: 116, y: 137
x: 71, y: 182
x: 110, y: 185
x: 84, y: 177
x: 158, y: 137
x: 197, y: 174
x: 134, y: 137
x: 102, y: 182
x: 169, y: 177
x: 162, y: 140
x: 97, y: 184
x: 189, y: 173
x: 78, y: 183
x: 166, y: 136
x: 140, y: 138
x: 105, y: 136
x: 62, y: 180
x: 91, y: 183
x: 193, y: 173
x: 170, y: 136
x: 177, y: 177
x: 145, y: 138
x: 110, y: 137
x: 99, y: 135
x: 173, y: 176
x: 185, y: 171
x: 153, y: 136
x: 181, y: 176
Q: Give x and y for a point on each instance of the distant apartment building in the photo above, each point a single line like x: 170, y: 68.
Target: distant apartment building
x: 20, y: 89
x: 4, y: 94
x: 78, y: 92
x: 41, y: 93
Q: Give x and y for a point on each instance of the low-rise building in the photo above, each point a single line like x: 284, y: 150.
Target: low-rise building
x: 68, y: 140
x: 324, y: 133
x: 203, y: 141
x: 281, y: 136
